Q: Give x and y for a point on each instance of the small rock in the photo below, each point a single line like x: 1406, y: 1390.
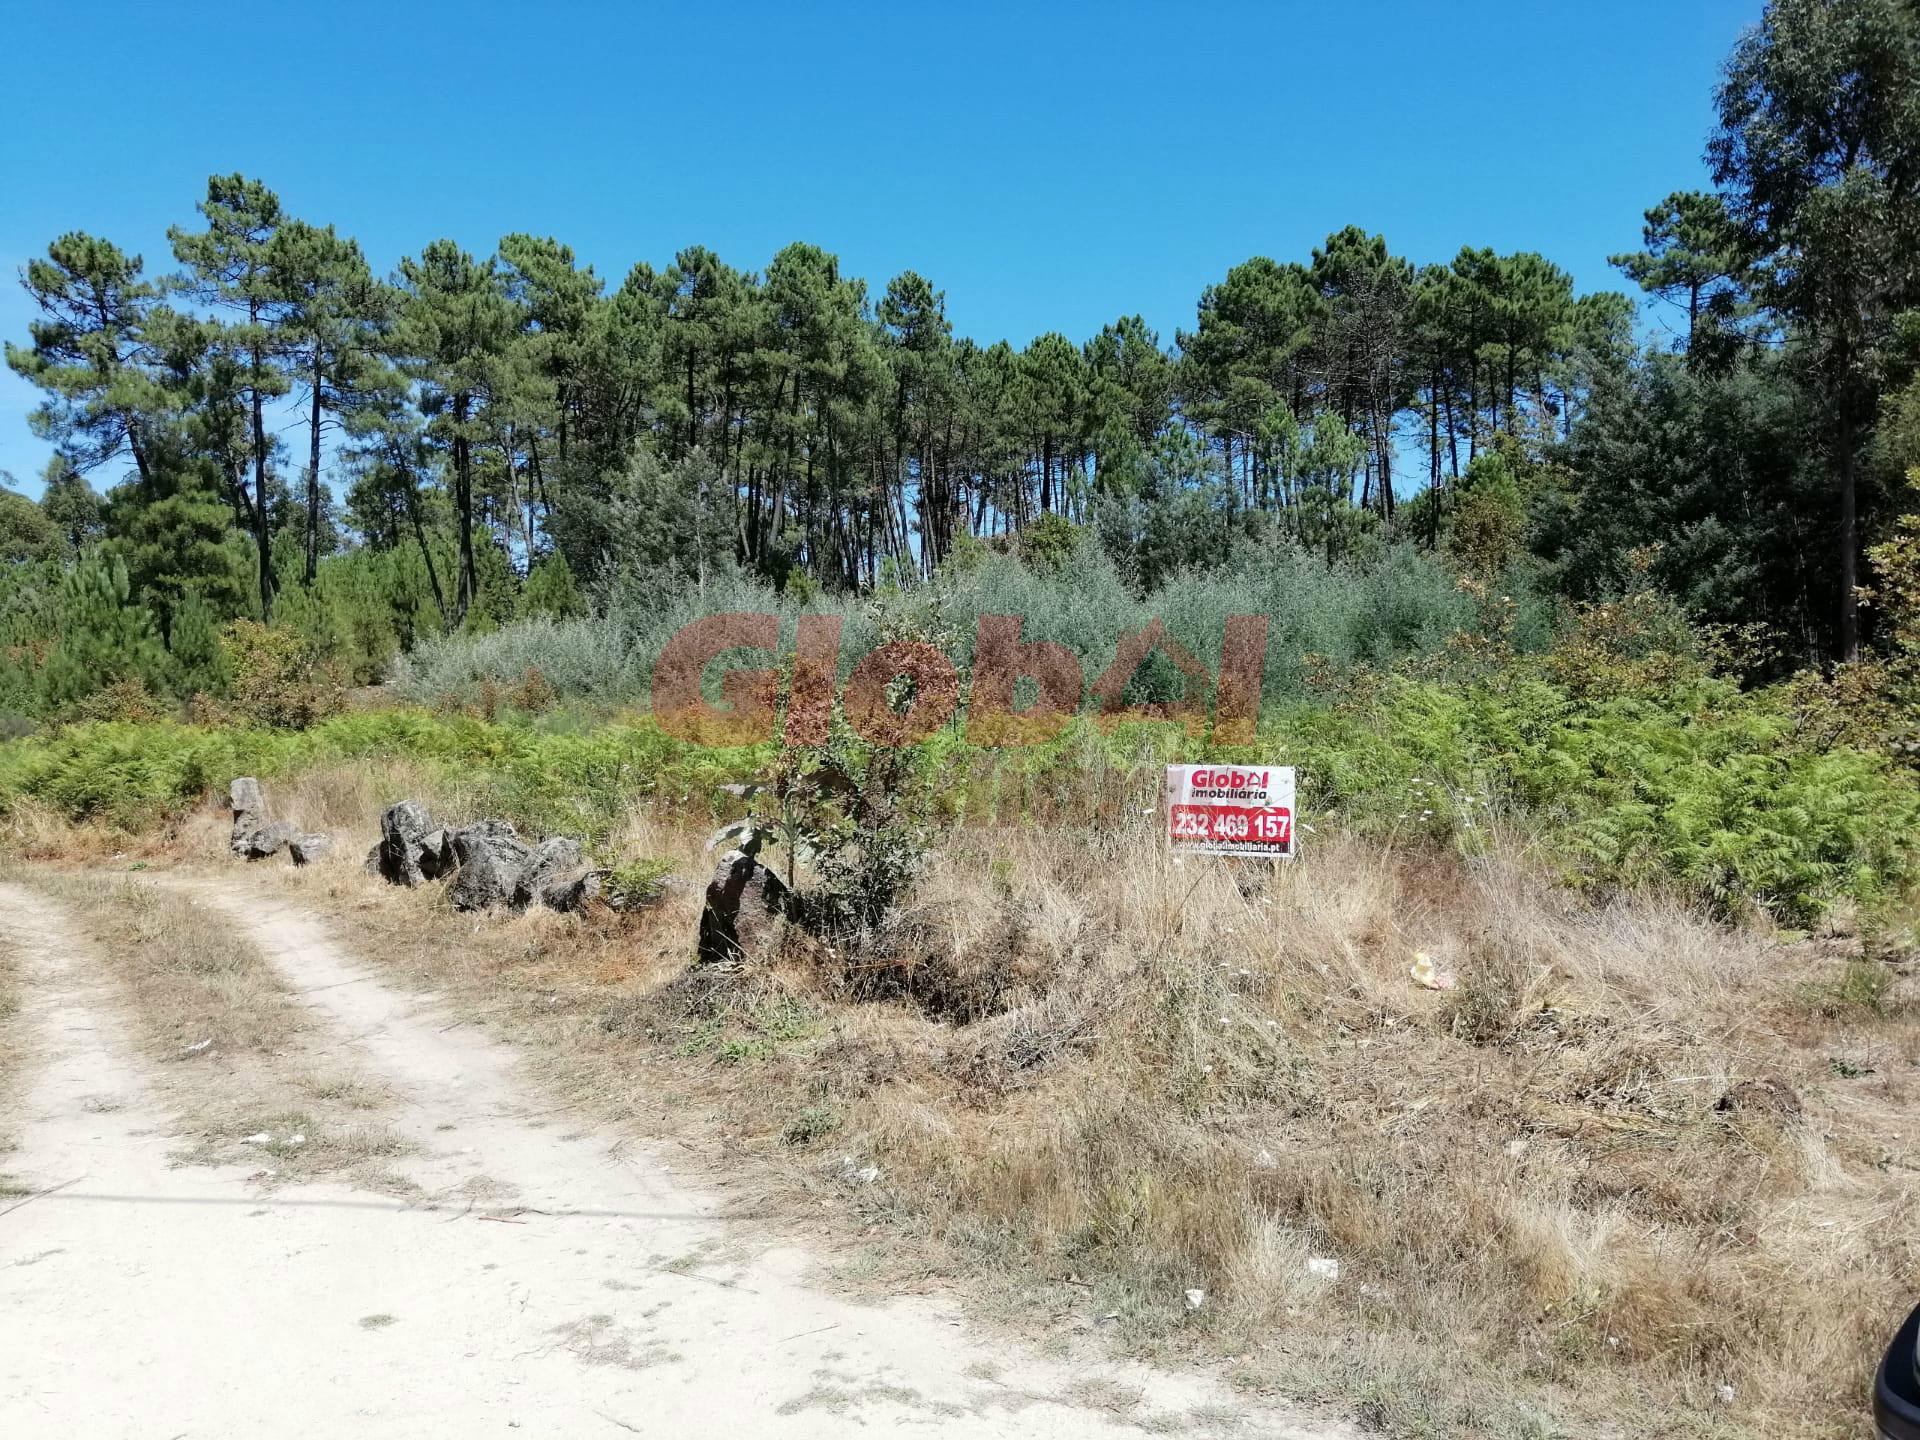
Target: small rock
x: 1516, y: 1148
x: 1323, y: 1267
x: 1725, y: 1394
x: 857, y: 1175
x: 571, y: 895
x: 746, y: 906
x: 1773, y: 1097
x: 263, y: 1138
x: 306, y: 849
x: 551, y: 860
x: 1266, y: 1160
x: 1195, y: 1299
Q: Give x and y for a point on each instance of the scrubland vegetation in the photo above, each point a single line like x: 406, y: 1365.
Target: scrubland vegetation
x: 1650, y: 1145
x: 1612, y: 718
x: 1635, y: 1155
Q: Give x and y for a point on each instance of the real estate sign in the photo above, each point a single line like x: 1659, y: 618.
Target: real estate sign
x: 1231, y: 810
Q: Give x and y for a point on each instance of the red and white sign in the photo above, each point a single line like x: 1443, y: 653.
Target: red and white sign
x: 1231, y: 810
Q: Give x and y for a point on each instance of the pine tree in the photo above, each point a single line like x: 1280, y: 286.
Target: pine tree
x: 330, y: 335
x: 1692, y: 260
x: 26, y: 534
x: 455, y: 328
x: 90, y: 351
x: 71, y: 505
x: 199, y: 663
x: 551, y: 590
x: 230, y: 265
x: 104, y: 636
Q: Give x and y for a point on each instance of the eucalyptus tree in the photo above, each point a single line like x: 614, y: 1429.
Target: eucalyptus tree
x: 1818, y: 154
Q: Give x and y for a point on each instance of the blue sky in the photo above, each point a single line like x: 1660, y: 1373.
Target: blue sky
x: 1049, y: 166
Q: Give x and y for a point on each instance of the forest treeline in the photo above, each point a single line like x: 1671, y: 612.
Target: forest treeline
x: 284, y: 436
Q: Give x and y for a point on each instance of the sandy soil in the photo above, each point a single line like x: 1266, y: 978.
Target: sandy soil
x: 553, y: 1281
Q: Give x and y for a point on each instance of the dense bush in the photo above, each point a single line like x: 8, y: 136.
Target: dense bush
x: 1683, y: 782
x: 1395, y: 603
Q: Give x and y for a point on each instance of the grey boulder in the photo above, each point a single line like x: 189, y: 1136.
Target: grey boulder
x: 305, y: 849
x: 398, y: 855
x: 491, y: 858
x: 268, y: 839
x: 568, y: 896
x: 551, y: 861
x: 747, y: 907
x: 250, y: 837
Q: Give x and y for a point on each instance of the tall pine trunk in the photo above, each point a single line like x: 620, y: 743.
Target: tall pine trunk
x: 468, y: 581
x: 313, y: 475
x: 1849, y: 538
x: 262, y: 519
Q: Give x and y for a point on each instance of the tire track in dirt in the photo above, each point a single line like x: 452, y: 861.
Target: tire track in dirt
x: 123, y: 1280
x: 607, y: 1293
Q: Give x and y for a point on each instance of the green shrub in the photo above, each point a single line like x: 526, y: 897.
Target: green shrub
x: 637, y: 882
x: 276, y: 677
x: 1682, y: 783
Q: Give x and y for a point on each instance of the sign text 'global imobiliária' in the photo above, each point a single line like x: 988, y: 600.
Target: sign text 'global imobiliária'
x: 1231, y: 810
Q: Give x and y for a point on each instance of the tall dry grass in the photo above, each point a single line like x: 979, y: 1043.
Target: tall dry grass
x: 1632, y: 1158
x: 1632, y: 1164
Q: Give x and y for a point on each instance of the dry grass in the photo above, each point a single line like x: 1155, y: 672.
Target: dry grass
x: 1633, y: 1157
x: 233, y: 1047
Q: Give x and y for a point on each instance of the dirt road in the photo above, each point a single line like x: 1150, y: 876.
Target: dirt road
x: 552, y: 1283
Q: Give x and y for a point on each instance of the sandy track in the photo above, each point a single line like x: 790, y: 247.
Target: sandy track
x: 556, y: 1283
